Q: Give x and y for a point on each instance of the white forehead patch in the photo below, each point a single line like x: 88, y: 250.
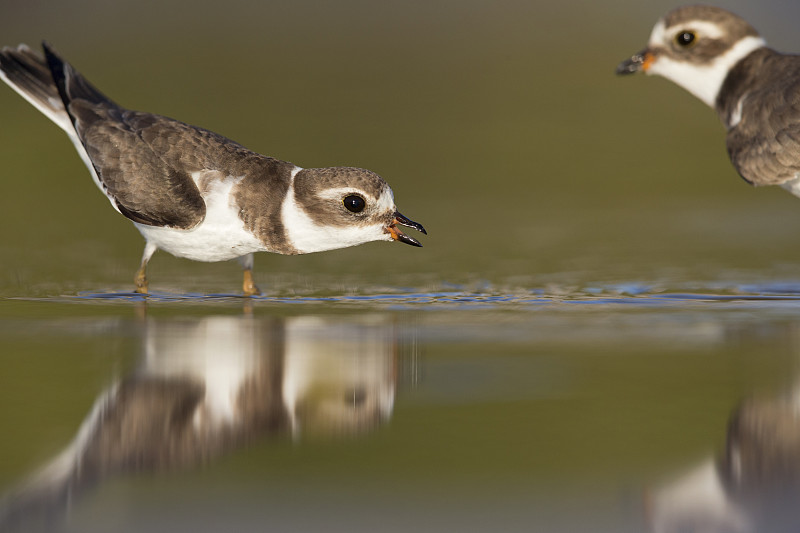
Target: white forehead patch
x: 386, y: 201
x: 658, y: 33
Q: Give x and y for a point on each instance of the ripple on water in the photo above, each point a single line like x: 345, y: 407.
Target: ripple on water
x: 621, y: 294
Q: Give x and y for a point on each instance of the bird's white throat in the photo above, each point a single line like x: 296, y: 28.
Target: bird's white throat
x: 702, y: 80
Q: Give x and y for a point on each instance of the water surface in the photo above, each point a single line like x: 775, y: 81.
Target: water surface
x: 446, y: 411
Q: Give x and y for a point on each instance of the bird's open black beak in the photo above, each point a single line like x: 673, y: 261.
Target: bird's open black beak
x: 399, y: 235
x: 636, y: 63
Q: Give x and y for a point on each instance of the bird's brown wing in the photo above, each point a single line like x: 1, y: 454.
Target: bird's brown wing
x: 765, y: 145
x: 126, y: 150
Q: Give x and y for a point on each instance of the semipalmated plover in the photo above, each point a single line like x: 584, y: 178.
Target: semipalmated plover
x: 197, y: 194
x: 721, y: 59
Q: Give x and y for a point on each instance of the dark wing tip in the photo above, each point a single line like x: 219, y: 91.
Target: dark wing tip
x: 57, y: 67
x: 53, y: 59
x: 71, y: 84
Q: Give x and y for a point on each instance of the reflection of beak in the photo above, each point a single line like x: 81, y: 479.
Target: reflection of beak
x: 399, y: 235
x: 636, y: 63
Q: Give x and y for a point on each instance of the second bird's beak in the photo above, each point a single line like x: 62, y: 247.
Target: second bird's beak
x: 636, y: 63
x: 399, y: 235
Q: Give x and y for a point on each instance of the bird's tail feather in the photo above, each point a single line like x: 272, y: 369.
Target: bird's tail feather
x: 71, y: 85
x: 28, y: 74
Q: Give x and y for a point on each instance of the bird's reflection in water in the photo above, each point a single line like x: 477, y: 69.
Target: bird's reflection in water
x: 205, y: 387
x: 752, y: 487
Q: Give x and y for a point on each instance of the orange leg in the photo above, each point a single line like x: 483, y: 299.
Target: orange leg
x: 250, y: 288
x: 140, y: 280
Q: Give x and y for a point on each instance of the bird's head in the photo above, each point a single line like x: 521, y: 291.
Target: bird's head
x: 337, y: 207
x: 695, y: 47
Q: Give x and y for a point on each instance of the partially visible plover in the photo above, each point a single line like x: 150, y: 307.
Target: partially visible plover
x: 196, y: 194
x: 751, y: 486
x: 721, y: 59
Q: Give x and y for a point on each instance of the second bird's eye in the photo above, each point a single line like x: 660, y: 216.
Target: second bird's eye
x: 354, y: 203
x: 685, y: 38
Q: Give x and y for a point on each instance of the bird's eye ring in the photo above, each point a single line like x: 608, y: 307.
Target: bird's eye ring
x: 354, y: 203
x: 685, y: 38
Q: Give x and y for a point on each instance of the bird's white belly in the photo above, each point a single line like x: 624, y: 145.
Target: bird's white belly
x: 219, y: 237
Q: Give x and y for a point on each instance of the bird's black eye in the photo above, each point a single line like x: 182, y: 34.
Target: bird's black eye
x: 354, y: 203
x: 685, y: 38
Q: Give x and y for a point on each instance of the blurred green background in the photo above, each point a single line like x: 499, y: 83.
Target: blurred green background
x: 500, y: 126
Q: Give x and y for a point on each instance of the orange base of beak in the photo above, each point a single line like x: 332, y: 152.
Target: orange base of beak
x: 648, y: 61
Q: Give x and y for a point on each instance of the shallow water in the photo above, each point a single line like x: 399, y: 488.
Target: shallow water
x: 447, y: 411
